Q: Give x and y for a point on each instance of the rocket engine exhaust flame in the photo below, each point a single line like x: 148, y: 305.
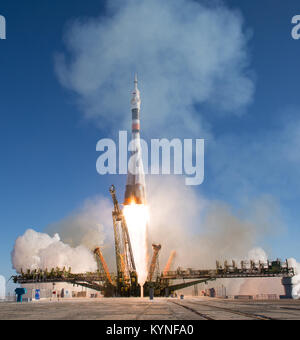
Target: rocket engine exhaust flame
x: 137, y: 219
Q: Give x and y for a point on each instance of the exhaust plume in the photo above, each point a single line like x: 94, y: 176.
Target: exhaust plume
x: 203, y: 231
x: 137, y: 218
x: 90, y: 226
x: 35, y: 250
x: 296, y: 279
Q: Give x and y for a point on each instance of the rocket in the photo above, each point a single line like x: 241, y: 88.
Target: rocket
x: 135, y: 187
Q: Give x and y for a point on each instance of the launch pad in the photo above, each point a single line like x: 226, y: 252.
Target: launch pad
x: 125, y: 282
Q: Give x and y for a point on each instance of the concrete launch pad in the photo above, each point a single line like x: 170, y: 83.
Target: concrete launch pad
x: 193, y: 308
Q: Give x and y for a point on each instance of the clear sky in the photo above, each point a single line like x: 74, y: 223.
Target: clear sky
x: 48, y: 145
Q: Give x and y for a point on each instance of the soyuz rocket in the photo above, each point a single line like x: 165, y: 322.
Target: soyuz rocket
x: 135, y: 187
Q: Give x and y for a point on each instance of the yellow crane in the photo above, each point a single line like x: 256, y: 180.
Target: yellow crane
x: 99, y: 254
x: 154, y: 262
x: 169, y: 263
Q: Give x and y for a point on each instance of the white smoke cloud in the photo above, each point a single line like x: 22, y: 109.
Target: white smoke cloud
x: 87, y: 225
x: 36, y: 250
x: 203, y: 231
x: 90, y: 226
x: 257, y: 254
x: 186, y: 53
x: 254, y: 286
x: 296, y: 279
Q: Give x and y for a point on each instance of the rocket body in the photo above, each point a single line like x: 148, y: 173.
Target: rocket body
x: 135, y: 187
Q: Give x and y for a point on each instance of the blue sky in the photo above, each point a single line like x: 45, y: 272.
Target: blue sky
x: 49, y: 128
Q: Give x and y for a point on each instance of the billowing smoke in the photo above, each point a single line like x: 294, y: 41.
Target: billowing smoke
x: 257, y: 254
x: 186, y: 53
x: 254, y: 286
x: 71, y: 242
x: 90, y: 225
x: 296, y: 279
x: 203, y: 231
x: 35, y: 250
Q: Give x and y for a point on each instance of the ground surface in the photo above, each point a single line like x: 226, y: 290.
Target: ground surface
x: 159, y: 309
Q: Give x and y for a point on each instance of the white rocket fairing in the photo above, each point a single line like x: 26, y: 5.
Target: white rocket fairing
x: 135, y: 187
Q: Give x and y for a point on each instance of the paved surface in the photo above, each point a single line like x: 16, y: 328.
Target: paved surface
x: 159, y: 309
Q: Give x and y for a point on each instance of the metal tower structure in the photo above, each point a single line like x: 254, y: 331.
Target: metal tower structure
x: 127, y: 283
x: 170, y: 262
x: 154, y: 266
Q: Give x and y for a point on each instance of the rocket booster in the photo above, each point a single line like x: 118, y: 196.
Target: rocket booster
x: 135, y: 187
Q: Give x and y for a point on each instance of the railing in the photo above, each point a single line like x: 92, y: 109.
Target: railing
x: 269, y: 269
x: 272, y: 270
